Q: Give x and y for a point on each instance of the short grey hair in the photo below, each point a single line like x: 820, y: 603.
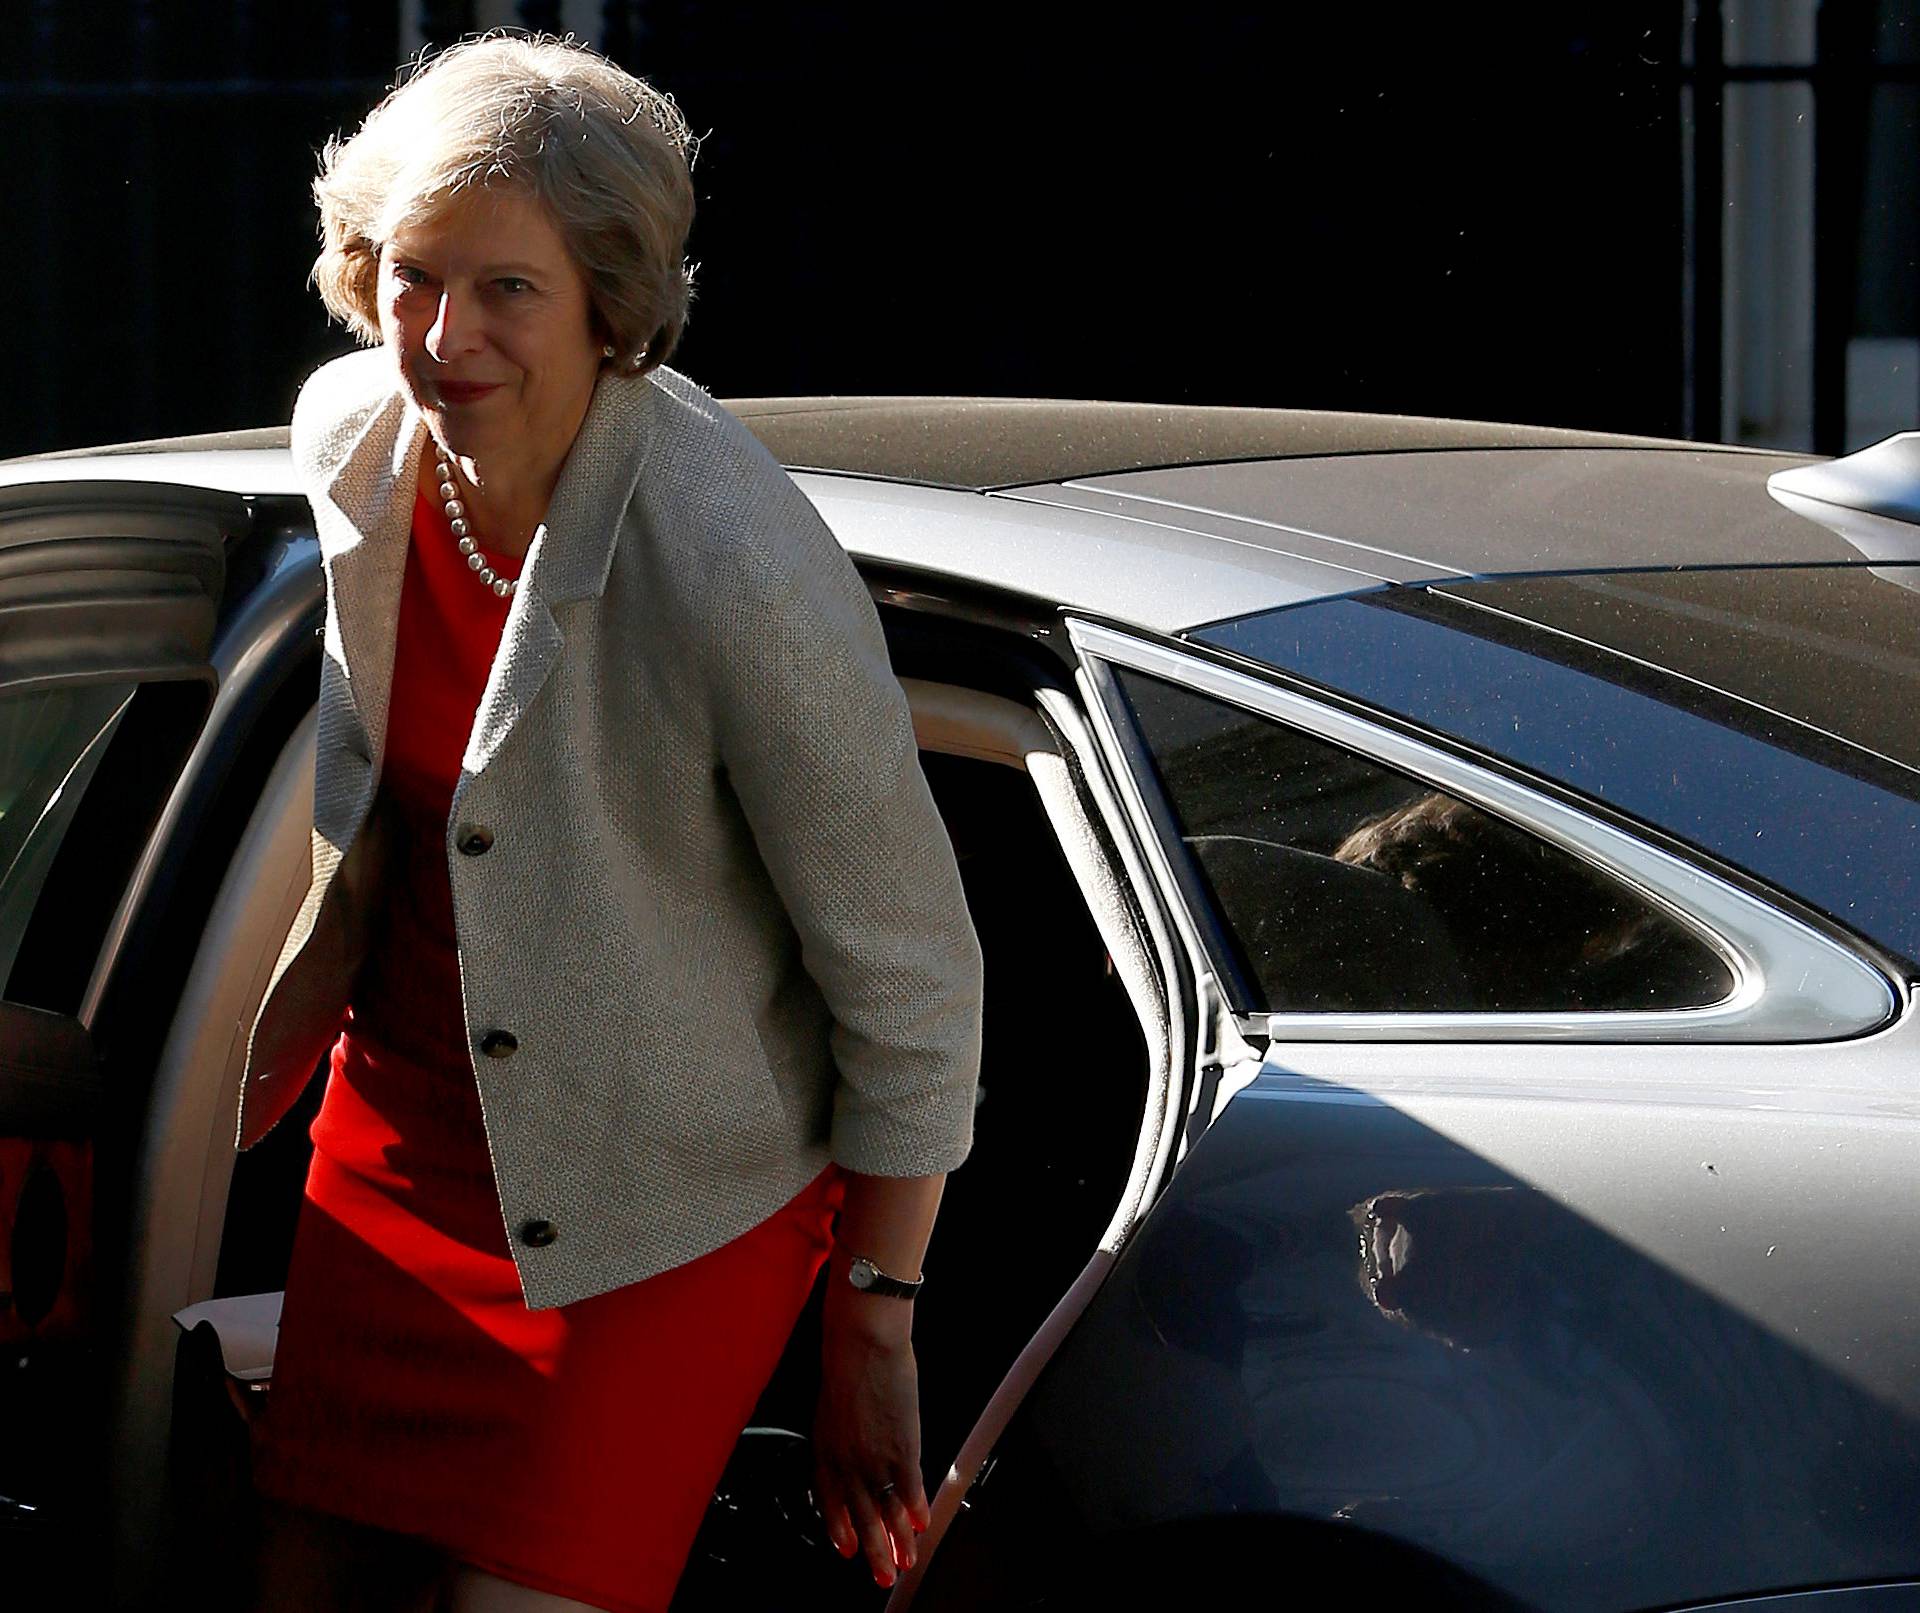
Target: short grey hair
x: 609, y: 156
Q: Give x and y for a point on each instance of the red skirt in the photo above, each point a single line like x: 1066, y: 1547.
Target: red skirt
x: 572, y: 1449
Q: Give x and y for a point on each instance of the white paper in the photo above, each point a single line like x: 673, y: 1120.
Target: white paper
x: 248, y: 1326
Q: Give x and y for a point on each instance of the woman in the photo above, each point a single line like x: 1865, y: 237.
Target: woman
x: 636, y: 939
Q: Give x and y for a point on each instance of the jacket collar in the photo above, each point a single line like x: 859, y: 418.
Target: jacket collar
x: 371, y: 481
x: 357, y: 442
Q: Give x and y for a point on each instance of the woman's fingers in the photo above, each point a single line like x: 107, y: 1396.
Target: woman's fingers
x: 874, y: 1537
x: 913, y: 1494
x: 900, y: 1526
x: 831, y: 1497
x: 867, y: 1518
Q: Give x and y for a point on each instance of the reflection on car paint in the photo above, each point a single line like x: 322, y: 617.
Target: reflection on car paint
x: 1338, y: 1313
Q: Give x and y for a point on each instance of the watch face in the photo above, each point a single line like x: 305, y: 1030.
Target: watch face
x: 861, y: 1274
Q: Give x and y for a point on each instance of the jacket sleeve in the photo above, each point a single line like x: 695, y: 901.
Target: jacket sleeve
x: 818, y: 746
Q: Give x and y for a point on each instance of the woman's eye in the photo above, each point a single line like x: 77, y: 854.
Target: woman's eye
x: 407, y: 275
x: 513, y: 285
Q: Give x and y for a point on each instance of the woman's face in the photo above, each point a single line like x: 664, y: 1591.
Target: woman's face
x: 490, y: 321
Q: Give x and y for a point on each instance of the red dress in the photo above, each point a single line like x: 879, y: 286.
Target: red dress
x: 572, y: 1449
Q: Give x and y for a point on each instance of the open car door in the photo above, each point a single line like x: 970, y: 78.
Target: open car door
x: 110, y: 594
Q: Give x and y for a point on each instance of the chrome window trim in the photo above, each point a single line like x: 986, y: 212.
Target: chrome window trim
x: 1833, y: 992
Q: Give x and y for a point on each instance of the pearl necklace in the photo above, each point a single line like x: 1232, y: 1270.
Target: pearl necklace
x: 463, y: 530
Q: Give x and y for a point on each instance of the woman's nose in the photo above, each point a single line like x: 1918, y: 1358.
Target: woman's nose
x: 454, y: 330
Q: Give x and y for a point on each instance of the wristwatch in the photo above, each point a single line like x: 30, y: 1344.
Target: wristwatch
x: 870, y: 1279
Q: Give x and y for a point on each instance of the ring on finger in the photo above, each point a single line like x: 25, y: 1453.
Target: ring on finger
x: 885, y: 1489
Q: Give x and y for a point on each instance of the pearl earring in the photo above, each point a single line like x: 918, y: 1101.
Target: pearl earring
x: 607, y: 351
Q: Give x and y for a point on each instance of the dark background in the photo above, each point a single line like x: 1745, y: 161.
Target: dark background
x: 1682, y: 217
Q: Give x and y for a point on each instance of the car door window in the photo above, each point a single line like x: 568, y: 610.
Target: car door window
x: 1342, y: 885
x: 50, y: 742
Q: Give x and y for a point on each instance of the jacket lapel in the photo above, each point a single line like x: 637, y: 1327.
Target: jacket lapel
x: 529, y: 643
x: 363, y: 524
x: 569, y: 557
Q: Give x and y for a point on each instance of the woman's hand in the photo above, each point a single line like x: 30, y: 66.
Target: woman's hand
x: 866, y: 1436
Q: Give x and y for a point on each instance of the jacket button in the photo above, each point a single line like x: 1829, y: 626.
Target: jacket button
x: 538, y: 1234
x: 475, y: 839
x: 499, y: 1044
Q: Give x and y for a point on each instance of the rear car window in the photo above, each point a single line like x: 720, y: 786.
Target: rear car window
x: 1773, y: 740
x: 1345, y: 886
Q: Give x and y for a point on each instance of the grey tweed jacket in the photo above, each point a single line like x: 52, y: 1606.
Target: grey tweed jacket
x: 719, y: 920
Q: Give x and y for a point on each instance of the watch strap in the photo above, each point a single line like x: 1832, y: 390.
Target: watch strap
x: 864, y: 1275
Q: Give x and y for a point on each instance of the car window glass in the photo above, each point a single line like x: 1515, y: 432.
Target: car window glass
x: 50, y: 741
x: 1344, y: 886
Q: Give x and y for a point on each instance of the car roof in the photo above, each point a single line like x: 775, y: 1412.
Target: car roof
x: 1422, y: 516
x: 984, y: 444
x: 980, y: 444
x: 1173, y: 515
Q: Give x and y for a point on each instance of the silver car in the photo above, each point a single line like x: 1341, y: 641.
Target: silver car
x: 1450, y: 896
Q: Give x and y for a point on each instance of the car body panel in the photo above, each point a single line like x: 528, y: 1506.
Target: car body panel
x: 1625, y: 1329
x: 1142, y: 572
x: 1365, y: 565
x: 247, y: 471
